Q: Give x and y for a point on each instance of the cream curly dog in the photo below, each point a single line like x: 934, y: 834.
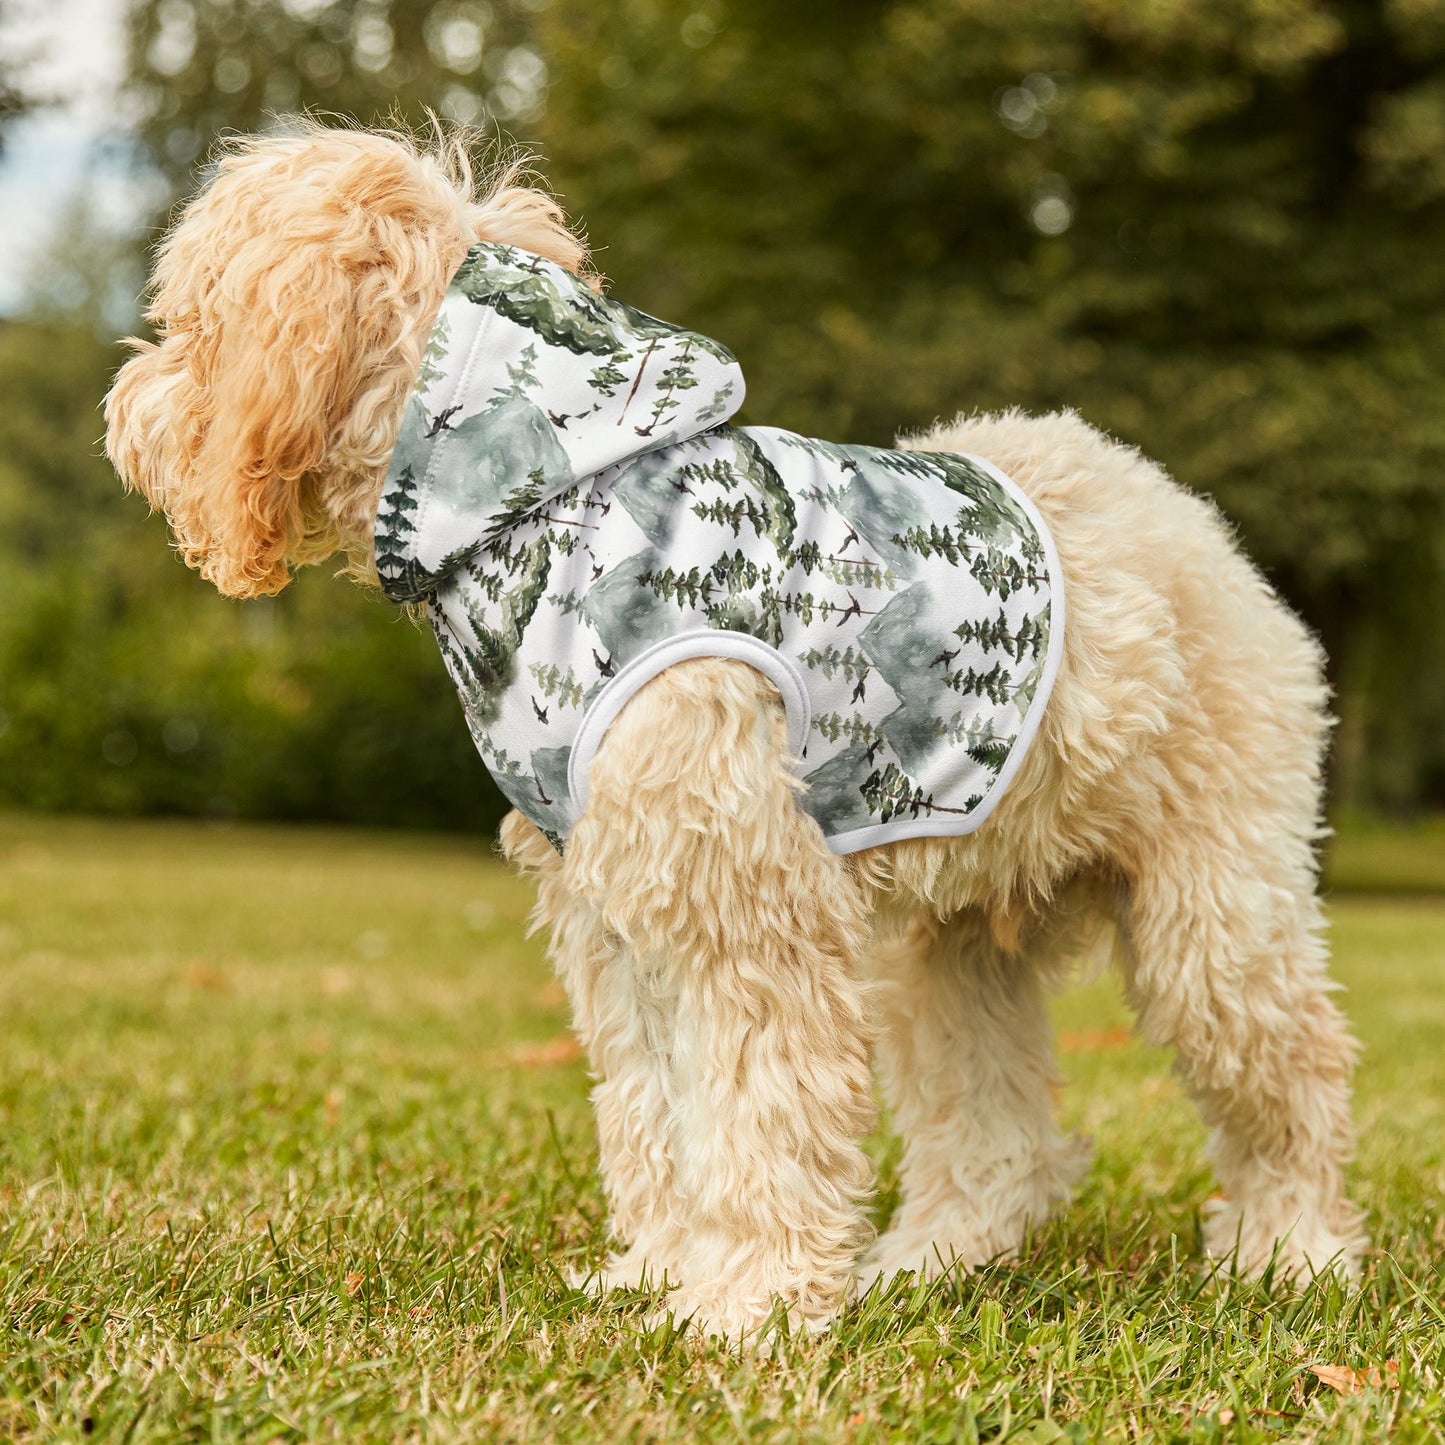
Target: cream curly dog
x: 730, y: 975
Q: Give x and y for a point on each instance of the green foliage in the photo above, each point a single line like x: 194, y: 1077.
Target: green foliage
x: 128, y: 686
x: 202, y: 67
x: 14, y: 99
x: 554, y: 682
x: 1217, y: 229
x: 299, y: 1148
x: 1372, y: 856
x: 116, y: 699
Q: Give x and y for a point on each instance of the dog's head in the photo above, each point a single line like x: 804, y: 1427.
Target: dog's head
x: 291, y: 302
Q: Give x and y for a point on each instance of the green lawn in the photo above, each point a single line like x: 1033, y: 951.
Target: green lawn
x: 292, y: 1147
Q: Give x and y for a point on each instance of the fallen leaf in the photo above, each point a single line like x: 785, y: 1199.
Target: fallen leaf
x: 551, y: 995
x: 335, y: 982
x: 1095, y: 1042
x: 202, y: 975
x: 1347, y: 1381
x: 554, y: 1051
x: 354, y: 1283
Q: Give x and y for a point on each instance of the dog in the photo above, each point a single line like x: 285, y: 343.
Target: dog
x: 731, y: 975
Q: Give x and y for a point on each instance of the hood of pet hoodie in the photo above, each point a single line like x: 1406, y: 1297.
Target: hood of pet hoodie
x: 567, y: 501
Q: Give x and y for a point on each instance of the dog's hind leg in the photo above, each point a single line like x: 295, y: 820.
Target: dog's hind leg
x: 1225, y: 956
x: 1226, y: 962
x: 966, y: 1059
x: 741, y: 931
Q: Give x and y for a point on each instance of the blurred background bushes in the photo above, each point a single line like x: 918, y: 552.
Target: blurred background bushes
x: 127, y: 686
x: 1214, y: 227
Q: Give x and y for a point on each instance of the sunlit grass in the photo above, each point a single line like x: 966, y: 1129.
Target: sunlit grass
x: 284, y: 1154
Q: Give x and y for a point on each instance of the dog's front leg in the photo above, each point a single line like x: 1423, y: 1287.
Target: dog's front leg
x: 624, y: 1024
x: 735, y: 932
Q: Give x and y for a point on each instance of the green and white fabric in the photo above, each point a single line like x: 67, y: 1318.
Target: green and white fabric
x: 568, y: 501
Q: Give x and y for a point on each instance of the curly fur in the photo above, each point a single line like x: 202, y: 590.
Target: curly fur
x: 728, y: 975
x: 291, y: 301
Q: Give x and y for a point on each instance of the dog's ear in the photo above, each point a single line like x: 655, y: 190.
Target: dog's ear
x: 146, y: 410
x: 291, y: 301
x: 277, y: 345
x: 220, y: 423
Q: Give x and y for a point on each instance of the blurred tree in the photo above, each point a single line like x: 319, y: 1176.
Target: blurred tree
x: 15, y: 99
x: 1215, y: 227
x: 127, y: 685
x: 202, y: 67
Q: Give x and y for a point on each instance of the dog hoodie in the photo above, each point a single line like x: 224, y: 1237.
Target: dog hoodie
x: 570, y: 505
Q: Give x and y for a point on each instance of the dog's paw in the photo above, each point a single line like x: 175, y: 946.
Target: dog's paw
x: 633, y: 1270
x: 1298, y: 1245
x: 959, y: 1242
x: 897, y: 1254
x: 753, y: 1324
x: 966, y: 1228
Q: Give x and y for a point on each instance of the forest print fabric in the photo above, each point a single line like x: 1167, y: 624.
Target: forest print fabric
x: 569, y: 503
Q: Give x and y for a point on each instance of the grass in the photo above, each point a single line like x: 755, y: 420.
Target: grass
x: 290, y: 1149
x: 1395, y: 858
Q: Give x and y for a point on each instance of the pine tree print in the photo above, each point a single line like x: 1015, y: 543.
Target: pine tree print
x: 851, y: 662
x: 637, y: 375
x: 995, y: 634
x: 524, y: 290
x: 678, y: 376
x: 649, y: 328
x: 891, y: 793
x: 738, y: 572
x: 717, y: 407
x: 1023, y: 694
x: 763, y: 475
x: 459, y: 558
x: 569, y: 604
x: 395, y: 525
x: 934, y: 541
x: 520, y: 504
x: 487, y: 660
x: 687, y: 589
x: 1003, y: 573
x: 433, y: 357
x: 833, y: 725
x: 522, y: 374
x: 995, y: 684
x: 733, y: 514
x: 972, y: 731
x: 610, y: 375
x: 557, y: 683
x: 992, y: 754
x: 848, y: 572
